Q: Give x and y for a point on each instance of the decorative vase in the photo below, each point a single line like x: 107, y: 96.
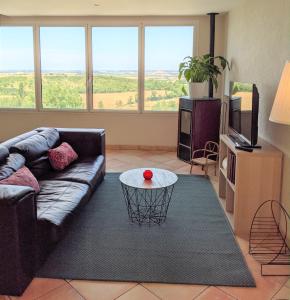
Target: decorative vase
x: 197, y: 89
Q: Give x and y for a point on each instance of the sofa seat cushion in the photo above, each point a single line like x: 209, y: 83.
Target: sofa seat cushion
x: 56, y: 203
x: 85, y: 170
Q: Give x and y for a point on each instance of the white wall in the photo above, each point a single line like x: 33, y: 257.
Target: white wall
x: 150, y: 129
x: 258, y: 45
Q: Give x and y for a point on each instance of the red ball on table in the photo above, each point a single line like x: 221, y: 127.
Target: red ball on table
x: 147, y: 174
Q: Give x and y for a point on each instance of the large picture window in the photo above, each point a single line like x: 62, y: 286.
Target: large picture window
x: 17, y: 89
x: 63, y: 67
x: 93, y: 67
x: 165, y: 48
x: 115, y: 68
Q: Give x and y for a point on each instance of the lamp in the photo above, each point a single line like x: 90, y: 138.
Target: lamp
x: 281, y: 108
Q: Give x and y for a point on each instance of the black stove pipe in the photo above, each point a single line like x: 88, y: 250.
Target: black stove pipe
x: 211, y: 47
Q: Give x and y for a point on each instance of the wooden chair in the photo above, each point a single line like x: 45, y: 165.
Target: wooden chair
x: 206, y: 157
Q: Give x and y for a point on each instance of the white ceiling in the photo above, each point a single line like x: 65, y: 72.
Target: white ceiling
x: 113, y: 7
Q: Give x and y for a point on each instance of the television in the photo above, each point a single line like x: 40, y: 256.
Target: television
x: 243, y: 113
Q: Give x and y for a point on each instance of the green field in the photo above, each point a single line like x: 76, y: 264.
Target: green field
x: 110, y: 91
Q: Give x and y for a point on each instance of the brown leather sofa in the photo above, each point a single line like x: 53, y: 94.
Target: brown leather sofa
x: 31, y: 224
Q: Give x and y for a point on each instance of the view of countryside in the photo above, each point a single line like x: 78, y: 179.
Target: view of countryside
x: 114, y: 63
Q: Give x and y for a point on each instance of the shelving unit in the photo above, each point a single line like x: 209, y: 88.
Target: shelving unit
x: 254, y: 178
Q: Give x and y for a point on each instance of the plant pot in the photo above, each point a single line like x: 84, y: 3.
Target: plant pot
x: 197, y: 89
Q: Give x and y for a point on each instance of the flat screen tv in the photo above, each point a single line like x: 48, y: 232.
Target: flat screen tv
x: 243, y: 113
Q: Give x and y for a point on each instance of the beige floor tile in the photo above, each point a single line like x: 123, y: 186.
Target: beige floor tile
x: 101, y: 290
x: 213, y: 293
x: 288, y: 283
x: 160, y: 158
x: 244, y: 244
x: 114, y: 163
x: 196, y: 170
x: 266, y: 288
x: 138, y: 293
x: 175, y: 163
x: 175, y: 291
x: 65, y: 292
x: 40, y: 286
x: 184, y: 170
x: 283, y: 294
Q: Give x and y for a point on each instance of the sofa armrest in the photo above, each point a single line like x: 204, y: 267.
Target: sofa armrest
x: 86, y: 142
x: 11, y: 194
x: 17, y: 236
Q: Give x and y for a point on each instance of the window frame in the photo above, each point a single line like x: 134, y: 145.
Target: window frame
x: 88, y: 23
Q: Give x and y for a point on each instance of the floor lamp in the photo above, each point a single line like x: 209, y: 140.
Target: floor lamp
x: 281, y: 108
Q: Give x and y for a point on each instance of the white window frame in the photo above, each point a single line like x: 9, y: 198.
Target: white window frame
x: 88, y: 23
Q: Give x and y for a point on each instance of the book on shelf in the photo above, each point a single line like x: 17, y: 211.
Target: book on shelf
x: 231, y: 169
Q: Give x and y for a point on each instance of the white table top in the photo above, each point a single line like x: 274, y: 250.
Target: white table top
x: 161, y: 178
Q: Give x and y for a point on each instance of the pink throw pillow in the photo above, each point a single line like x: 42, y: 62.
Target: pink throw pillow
x: 62, y: 156
x: 22, y: 177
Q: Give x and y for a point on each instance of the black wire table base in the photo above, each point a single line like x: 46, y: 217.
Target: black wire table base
x: 147, y: 205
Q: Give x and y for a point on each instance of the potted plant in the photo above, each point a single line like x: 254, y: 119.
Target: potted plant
x: 200, y: 69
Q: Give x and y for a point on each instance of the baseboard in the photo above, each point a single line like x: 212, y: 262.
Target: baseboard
x: 141, y: 147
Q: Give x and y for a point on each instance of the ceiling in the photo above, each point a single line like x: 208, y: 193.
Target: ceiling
x: 113, y: 7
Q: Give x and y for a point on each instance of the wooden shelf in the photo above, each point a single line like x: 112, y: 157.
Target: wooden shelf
x: 231, y: 185
x: 257, y: 178
x: 224, y: 173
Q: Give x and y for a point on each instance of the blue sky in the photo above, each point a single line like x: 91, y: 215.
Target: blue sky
x: 63, y: 48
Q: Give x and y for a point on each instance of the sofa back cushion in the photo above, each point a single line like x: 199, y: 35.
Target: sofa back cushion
x: 51, y: 135
x: 4, y: 153
x: 11, y: 142
x: 31, y: 148
x: 11, y: 164
x: 40, y: 166
x: 35, y: 149
x: 37, y: 145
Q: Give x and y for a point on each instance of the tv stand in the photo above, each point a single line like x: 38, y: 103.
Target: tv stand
x: 241, y: 143
x: 246, y: 180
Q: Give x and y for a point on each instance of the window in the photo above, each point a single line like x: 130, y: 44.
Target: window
x: 165, y: 48
x: 115, y: 68
x: 100, y: 67
x: 16, y: 67
x: 63, y: 67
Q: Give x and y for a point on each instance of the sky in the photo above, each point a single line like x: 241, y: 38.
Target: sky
x: 113, y: 48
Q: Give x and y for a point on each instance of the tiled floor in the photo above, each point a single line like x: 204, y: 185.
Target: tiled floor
x: 121, y: 160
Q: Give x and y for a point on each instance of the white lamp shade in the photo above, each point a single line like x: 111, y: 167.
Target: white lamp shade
x: 281, y: 108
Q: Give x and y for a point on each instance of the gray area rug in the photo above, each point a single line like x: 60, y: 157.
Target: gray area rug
x: 194, y: 246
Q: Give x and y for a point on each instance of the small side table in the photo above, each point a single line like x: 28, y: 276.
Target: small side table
x: 147, y: 201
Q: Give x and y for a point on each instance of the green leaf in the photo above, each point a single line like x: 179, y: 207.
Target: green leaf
x: 184, y: 90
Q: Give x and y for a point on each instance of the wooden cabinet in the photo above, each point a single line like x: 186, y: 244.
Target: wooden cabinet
x: 247, y: 180
x: 198, y: 122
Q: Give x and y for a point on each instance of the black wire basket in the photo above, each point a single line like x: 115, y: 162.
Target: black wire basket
x: 268, y: 239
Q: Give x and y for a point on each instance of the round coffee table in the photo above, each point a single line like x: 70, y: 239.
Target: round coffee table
x: 147, y: 201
